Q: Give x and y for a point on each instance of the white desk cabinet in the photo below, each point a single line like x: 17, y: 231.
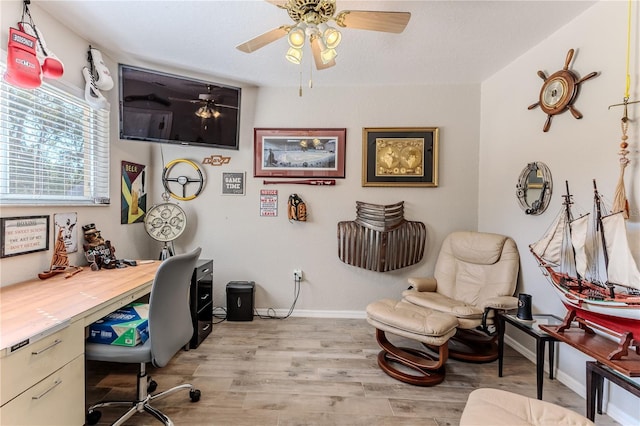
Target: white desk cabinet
x: 43, y: 382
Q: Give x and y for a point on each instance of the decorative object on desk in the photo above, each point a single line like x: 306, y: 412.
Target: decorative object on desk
x: 299, y: 153
x: 296, y: 208
x: 380, y: 238
x: 317, y: 182
x: 534, y: 188
x: 524, y: 307
x: 59, y: 261
x: 233, y: 183
x: 98, y: 251
x: 23, y: 234
x: 133, y: 198
x: 400, y: 156
x: 559, y: 91
x: 182, y: 180
x: 608, y: 299
x: 216, y: 160
x: 68, y: 223
x: 165, y: 222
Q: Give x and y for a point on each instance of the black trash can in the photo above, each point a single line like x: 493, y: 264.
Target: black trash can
x: 240, y: 300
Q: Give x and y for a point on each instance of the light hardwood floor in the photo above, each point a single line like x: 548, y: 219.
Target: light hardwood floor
x: 310, y: 371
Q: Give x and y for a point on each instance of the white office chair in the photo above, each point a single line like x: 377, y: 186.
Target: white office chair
x: 170, y: 329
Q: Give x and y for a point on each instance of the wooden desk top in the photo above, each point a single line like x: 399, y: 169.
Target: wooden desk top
x: 32, y: 307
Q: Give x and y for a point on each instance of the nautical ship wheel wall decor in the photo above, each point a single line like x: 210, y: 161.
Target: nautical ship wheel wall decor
x: 559, y: 91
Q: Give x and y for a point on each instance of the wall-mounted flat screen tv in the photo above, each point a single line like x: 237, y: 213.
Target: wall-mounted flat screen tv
x: 166, y: 108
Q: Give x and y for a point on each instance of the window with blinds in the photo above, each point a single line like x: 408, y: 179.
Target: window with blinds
x: 54, y: 148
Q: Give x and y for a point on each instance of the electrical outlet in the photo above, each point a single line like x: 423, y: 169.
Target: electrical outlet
x: 297, y: 274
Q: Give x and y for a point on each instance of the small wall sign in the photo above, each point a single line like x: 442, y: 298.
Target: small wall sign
x: 22, y: 235
x: 233, y: 183
x: 269, y: 202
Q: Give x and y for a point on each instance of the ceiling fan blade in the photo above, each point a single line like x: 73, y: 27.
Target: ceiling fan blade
x: 224, y: 106
x: 316, y: 50
x: 264, y: 39
x: 192, y: 101
x: 390, y: 22
x: 279, y: 3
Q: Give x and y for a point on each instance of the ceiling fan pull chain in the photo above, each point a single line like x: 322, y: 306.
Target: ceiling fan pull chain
x: 300, y: 88
x: 310, y: 75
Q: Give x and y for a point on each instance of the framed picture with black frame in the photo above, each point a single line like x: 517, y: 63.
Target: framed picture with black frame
x: 400, y: 156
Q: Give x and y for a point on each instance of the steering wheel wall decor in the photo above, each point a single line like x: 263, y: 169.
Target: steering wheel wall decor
x: 182, y: 180
x: 534, y: 188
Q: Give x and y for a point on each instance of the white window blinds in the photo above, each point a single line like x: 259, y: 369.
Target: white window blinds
x: 54, y: 149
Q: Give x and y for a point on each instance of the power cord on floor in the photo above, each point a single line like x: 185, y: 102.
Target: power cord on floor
x: 271, y: 311
x: 221, y: 318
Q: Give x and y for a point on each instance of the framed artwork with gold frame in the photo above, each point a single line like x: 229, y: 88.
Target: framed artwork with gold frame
x: 400, y: 156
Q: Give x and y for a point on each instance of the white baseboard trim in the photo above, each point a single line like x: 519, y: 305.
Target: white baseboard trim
x: 301, y: 313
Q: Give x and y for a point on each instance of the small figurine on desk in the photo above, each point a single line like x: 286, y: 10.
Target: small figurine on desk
x: 60, y: 261
x: 99, y: 253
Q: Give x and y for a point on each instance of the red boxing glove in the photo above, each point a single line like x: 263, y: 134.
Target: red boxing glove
x: 52, y: 67
x: 23, y: 68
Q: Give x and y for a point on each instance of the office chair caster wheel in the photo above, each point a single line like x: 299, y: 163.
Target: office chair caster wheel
x: 93, y: 417
x: 152, y: 386
x: 194, y: 394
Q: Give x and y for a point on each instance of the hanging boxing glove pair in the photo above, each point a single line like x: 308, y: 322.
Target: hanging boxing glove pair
x: 97, y: 77
x: 28, y: 57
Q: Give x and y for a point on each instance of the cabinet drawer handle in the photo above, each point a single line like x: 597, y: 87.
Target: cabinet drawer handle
x: 56, y: 383
x: 205, y: 297
x: 204, y: 271
x: 55, y: 343
x: 206, y: 327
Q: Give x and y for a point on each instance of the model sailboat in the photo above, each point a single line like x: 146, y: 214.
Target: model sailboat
x: 590, y: 266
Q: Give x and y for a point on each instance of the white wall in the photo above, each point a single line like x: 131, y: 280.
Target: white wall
x: 574, y: 150
x: 246, y: 246
x: 130, y: 241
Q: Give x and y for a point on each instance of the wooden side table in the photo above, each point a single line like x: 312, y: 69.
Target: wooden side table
x: 596, y: 373
x: 532, y: 329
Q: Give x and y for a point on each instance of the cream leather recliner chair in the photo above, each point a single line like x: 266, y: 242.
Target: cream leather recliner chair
x: 475, y: 275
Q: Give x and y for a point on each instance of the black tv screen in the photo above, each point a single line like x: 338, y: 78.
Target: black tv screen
x: 160, y: 107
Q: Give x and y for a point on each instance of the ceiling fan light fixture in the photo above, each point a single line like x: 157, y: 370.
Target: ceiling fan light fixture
x: 327, y: 55
x: 294, y: 55
x: 297, y: 36
x: 204, y: 112
x: 331, y: 36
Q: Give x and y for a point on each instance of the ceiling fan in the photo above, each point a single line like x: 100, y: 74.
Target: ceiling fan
x: 209, y: 106
x: 311, y: 17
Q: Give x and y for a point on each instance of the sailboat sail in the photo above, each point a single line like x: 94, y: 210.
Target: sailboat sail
x: 579, y: 232
x: 549, y: 247
x: 622, y: 268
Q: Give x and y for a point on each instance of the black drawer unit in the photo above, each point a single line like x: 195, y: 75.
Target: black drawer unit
x: 201, y: 301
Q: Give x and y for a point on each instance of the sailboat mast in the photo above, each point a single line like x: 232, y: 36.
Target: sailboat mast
x: 596, y: 200
x: 569, y: 217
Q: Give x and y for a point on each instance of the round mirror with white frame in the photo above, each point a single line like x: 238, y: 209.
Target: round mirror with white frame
x: 534, y: 188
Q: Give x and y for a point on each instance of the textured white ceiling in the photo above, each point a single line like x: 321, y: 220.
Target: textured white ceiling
x: 445, y: 42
